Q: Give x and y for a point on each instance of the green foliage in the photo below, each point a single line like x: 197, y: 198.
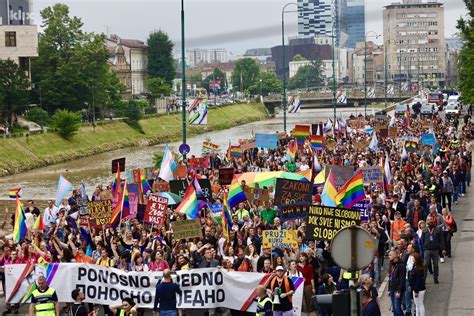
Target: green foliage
x: 298, y: 57
x: 66, y: 122
x: 72, y: 67
x: 39, y: 116
x: 269, y: 84
x: 248, y: 70
x: 160, y: 57
x: 466, y: 56
x: 217, y: 75
x: 157, y: 158
x: 13, y: 90
x: 195, y: 79
x: 157, y: 87
x: 307, y: 76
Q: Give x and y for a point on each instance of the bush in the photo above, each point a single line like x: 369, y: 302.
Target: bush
x: 66, y: 122
x: 39, y: 116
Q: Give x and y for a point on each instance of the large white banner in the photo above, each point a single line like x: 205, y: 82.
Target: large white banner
x: 202, y: 288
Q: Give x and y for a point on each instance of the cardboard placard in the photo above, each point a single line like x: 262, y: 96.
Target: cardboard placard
x: 266, y: 140
x: 324, y: 221
x: 341, y: 173
x: 393, y: 132
x: 100, y: 212
x: 293, y: 212
x: 280, y: 239
x: 161, y: 186
x: 180, y: 171
x: 426, y: 124
x: 330, y: 144
x: 178, y: 187
x: 226, y: 175
x: 247, y: 146
x: 253, y: 195
x: 118, y: 162
x: 187, y: 229
x: 292, y: 192
x: 383, y: 132
x: 156, y: 209
x: 82, y: 206
x: 373, y: 174
x: 133, y: 198
x: 361, y: 145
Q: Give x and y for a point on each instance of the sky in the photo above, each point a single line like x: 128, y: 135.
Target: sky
x: 236, y: 25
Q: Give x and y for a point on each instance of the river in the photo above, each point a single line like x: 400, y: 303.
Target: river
x: 40, y: 184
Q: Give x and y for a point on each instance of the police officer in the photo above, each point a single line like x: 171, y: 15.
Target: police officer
x: 264, y: 303
x: 44, y: 301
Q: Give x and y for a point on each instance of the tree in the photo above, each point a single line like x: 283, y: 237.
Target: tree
x: 72, y: 67
x: 217, y: 75
x: 157, y: 87
x: 466, y: 57
x: 13, y: 90
x: 160, y: 57
x: 248, y: 70
x: 307, y: 76
x: 268, y: 84
x: 66, y: 122
x: 195, y: 78
x: 298, y: 57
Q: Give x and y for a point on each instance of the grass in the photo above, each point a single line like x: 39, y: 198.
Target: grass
x: 21, y: 154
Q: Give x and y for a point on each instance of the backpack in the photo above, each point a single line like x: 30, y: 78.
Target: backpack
x: 454, y: 227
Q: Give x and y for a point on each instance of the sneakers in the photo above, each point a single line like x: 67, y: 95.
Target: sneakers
x: 441, y: 260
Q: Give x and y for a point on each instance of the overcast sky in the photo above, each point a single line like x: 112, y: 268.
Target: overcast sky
x: 233, y: 24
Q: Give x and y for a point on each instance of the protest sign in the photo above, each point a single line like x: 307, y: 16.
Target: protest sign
x: 248, y: 145
x: 201, y: 288
x: 393, y: 132
x: 372, y: 174
x: 187, y: 229
x: 178, y: 187
x: 428, y: 139
x: 330, y: 144
x: 340, y: 173
x: 180, y: 171
x: 383, y: 132
x: 133, y: 199
x: 205, y: 185
x: 266, y: 140
x: 292, y: 192
x: 82, y: 206
x: 426, y: 123
x: 279, y: 239
x: 100, y: 212
x: 156, y: 209
x: 118, y: 162
x: 216, y: 209
x: 362, y: 207
x: 226, y: 175
x: 293, y: 212
x: 259, y: 196
x: 361, y: 145
x: 324, y: 221
x: 161, y: 186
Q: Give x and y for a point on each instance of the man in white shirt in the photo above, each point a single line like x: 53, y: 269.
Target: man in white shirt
x: 50, y: 214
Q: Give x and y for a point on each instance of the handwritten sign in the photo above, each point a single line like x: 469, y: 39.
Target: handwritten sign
x: 393, y: 132
x: 266, y: 140
x: 280, y: 239
x: 100, y: 212
x: 292, y: 192
x: 156, y: 209
x: 361, y: 145
x: 247, y: 146
x: 178, y: 187
x: 161, y: 186
x: 293, y: 212
x: 180, y: 171
x: 324, y: 221
x: 341, y: 173
x: 226, y: 175
x: 372, y: 174
x: 383, y: 132
x: 187, y: 229
x: 118, y: 162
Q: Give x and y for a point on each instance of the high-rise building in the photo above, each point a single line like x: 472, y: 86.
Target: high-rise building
x: 15, y: 12
x: 197, y: 56
x: 355, y: 22
x: 415, y: 43
x: 315, y: 17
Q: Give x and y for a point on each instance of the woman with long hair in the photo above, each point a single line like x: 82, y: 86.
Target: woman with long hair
x: 416, y: 279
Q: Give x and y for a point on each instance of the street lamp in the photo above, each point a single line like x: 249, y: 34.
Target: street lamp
x: 333, y: 13
x: 261, y: 95
x: 183, y: 76
x: 365, y: 67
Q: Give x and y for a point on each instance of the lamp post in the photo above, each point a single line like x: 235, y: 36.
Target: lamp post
x: 261, y: 95
x: 400, y: 75
x: 333, y: 63
x: 183, y: 76
x: 365, y: 68
x: 385, y: 74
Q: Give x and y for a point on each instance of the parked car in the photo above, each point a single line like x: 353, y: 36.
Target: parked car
x: 452, y: 110
x: 427, y: 110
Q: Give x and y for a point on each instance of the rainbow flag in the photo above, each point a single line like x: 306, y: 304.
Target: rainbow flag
x: 226, y: 218
x: 406, y: 119
x: 235, y: 151
x: 39, y: 224
x: 143, y: 187
x: 210, y: 148
x: 291, y: 151
x: 328, y: 196
x: 19, y: 227
x: 116, y: 216
x: 411, y: 146
x: 352, y: 191
x: 317, y: 142
x: 189, y: 205
x: 300, y: 132
x: 117, y: 184
x: 126, y: 203
x: 14, y: 193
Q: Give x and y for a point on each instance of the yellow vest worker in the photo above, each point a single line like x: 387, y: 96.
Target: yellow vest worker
x: 44, y: 301
x: 264, y: 303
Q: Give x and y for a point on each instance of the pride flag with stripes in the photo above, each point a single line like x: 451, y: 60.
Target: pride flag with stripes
x: 226, y: 218
x: 19, y: 227
x: 189, y: 204
x: 300, y: 132
x: 14, y: 193
x: 317, y: 142
x: 352, y: 192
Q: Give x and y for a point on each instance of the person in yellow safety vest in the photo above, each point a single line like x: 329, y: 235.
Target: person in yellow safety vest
x: 127, y: 308
x: 44, y: 301
x: 264, y: 303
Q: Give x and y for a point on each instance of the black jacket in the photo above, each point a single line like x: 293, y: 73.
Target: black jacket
x: 397, y: 277
x: 433, y: 239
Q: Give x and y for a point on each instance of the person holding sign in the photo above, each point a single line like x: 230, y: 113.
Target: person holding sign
x: 282, y: 288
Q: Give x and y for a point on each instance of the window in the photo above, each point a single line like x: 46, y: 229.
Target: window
x: 10, y: 39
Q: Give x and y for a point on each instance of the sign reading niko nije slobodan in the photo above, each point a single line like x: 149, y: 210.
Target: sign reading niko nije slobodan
x: 324, y: 221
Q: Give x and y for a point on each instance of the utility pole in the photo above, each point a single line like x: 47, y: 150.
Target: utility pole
x: 385, y: 74
x: 183, y: 76
x: 400, y: 75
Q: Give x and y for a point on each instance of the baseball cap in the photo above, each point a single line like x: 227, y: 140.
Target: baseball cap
x: 280, y: 268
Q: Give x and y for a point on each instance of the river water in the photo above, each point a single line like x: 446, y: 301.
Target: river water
x: 41, y: 184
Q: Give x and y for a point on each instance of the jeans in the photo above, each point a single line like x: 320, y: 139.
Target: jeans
x: 432, y: 255
x: 376, y: 270
x: 407, y: 297
x: 447, y: 239
x: 171, y: 312
x: 280, y: 313
x: 396, y: 305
